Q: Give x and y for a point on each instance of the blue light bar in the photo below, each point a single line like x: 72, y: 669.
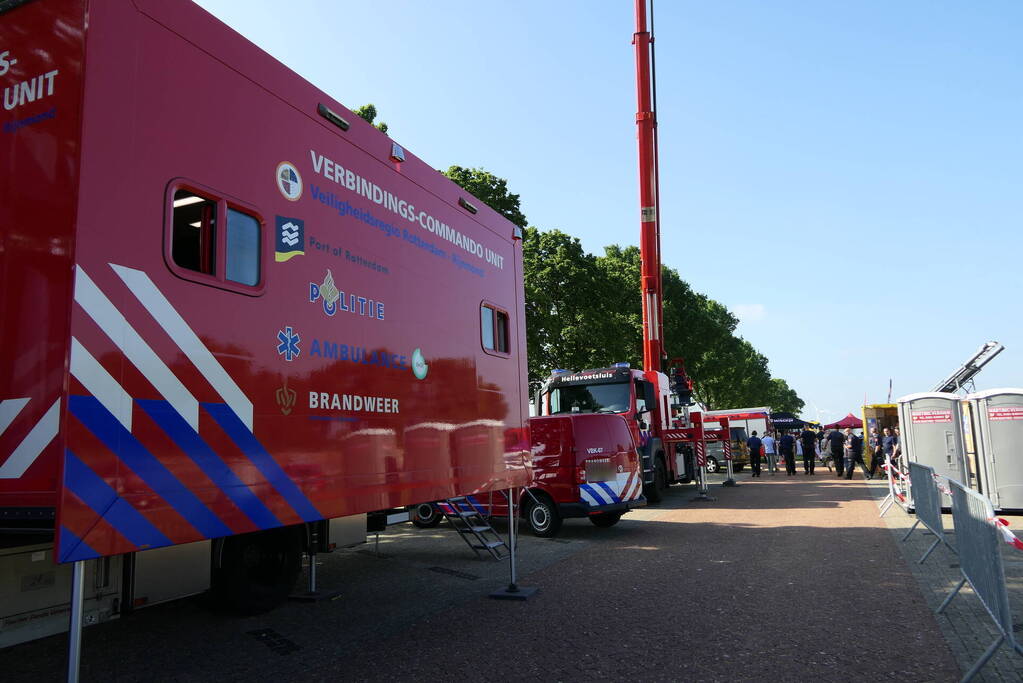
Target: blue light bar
x: 621, y: 365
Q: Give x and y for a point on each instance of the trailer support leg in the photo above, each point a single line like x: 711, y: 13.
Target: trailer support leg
x: 702, y: 496
x: 731, y: 475
x: 313, y: 595
x: 513, y: 591
x: 75, y: 631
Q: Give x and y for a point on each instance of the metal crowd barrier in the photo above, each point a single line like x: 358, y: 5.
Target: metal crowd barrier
x: 980, y: 561
x: 898, y: 488
x: 927, y: 501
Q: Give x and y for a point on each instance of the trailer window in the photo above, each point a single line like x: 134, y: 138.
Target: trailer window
x: 213, y: 240
x: 194, y: 232
x: 494, y: 329
x: 242, y: 248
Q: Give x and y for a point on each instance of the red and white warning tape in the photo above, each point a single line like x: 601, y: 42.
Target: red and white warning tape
x: 942, y: 486
x: 1007, y: 536
x: 891, y: 469
x: 896, y: 483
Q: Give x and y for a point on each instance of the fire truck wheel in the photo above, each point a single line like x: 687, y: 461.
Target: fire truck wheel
x: 257, y: 570
x: 542, y: 515
x: 606, y: 519
x: 425, y: 516
x: 712, y: 465
x: 655, y: 492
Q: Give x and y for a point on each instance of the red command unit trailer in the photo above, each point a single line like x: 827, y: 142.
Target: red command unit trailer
x: 231, y: 311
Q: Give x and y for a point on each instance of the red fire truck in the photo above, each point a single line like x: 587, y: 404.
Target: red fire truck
x: 584, y: 465
x: 646, y: 401
x: 231, y: 311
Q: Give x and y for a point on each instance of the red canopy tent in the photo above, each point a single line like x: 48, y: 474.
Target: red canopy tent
x: 849, y: 420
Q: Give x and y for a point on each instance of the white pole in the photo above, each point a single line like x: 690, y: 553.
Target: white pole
x: 511, y: 536
x: 75, y: 630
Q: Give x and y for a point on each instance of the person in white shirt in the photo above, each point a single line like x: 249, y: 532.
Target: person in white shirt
x: 770, y: 453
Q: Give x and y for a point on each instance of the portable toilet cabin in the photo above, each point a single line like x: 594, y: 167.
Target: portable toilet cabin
x: 932, y: 434
x: 997, y: 425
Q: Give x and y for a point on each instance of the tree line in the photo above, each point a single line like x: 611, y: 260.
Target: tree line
x: 585, y: 311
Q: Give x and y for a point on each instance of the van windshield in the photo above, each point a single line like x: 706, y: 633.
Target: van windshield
x: 593, y: 398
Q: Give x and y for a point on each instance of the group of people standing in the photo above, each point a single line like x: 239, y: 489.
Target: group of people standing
x: 844, y: 446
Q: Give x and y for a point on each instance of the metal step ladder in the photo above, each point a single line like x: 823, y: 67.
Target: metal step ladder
x: 469, y: 520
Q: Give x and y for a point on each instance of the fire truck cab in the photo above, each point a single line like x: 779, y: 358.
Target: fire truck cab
x: 644, y: 399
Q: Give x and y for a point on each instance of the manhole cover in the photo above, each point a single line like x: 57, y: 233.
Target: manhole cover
x: 275, y: 641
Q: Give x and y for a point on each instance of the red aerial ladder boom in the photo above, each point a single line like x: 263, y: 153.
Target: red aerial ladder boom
x: 649, y: 244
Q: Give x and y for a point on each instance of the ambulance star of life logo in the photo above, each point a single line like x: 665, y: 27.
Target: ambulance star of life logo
x: 289, y: 182
x: 288, y: 346
x: 289, y: 238
x: 286, y: 397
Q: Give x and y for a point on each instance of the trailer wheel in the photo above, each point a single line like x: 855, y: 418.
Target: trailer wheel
x: 655, y: 492
x: 712, y: 465
x: 542, y: 515
x: 425, y: 516
x: 257, y: 571
x: 606, y: 519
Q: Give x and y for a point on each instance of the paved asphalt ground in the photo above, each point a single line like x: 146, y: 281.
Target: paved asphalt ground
x: 782, y: 578
x: 966, y: 626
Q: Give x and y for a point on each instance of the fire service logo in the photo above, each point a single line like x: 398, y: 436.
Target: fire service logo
x: 289, y: 182
x: 286, y: 398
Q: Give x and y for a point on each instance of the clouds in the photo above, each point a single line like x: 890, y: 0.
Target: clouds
x: 750, y: 313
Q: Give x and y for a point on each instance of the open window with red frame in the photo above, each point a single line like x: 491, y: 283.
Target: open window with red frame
x: 214, y: 241
x: 494, y: 330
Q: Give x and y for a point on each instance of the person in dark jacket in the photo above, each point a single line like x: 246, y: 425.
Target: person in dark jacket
x: 853, y: 453
x: 753, y: 443
x: 876, y: 452
x: 836, y: 445
x: 809, y: 439
x: 787, y: 448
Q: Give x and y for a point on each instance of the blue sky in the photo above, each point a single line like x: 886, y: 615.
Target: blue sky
x: 846, y: 176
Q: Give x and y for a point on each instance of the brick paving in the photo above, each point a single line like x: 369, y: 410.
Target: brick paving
x: 782, y: 578
x: 965, y: 624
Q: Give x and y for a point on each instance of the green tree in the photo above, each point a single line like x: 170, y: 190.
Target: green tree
x: 368, y: 112
x: 490, y: 190
x: 566, y: 325
x: 784, y: 398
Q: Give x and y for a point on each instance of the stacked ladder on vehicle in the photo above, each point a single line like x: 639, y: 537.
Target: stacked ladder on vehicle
x: 469, y: 520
